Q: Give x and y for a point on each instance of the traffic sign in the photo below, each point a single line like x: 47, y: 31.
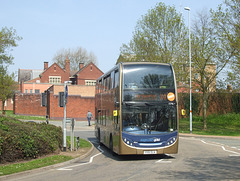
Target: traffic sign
x: 66, y: 92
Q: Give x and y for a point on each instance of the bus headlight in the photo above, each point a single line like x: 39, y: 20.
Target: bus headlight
x: 128, y: 141
x: 171, y: 141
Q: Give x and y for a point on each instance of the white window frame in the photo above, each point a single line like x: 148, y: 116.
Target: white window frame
x: 54, y: 79
x: 90, y: 82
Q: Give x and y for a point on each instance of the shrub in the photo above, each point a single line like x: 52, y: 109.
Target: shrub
x: 27, y: 140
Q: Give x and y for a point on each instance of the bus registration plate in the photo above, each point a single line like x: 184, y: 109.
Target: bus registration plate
x: 149, y: 152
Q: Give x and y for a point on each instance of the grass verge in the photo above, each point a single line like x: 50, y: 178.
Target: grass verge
x: 10, y: 114
x: 38, y: 163
x: 221, y: 125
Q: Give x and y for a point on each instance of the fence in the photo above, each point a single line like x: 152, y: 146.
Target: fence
x: 218, y: 103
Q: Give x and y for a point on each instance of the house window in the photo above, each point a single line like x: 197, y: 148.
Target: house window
x: 37, y: 91
x: 30, y: 90
x: 54, y: 79
x: 90, y: 82
x: 26, y: 90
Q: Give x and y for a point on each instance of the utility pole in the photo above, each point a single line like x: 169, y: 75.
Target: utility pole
x: 190, y: 71
x: 65, y: 115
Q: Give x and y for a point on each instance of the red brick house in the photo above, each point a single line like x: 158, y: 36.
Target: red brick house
x: 87, y: 75
x: 51, y: 80
x: 49, y: 76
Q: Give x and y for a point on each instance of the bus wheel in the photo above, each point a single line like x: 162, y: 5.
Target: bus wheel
x: 111, y: 145
x: 99, y: 139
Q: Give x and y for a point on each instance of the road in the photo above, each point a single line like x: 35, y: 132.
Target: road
x: 199, y: 158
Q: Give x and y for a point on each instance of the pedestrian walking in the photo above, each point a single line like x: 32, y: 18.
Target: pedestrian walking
x: 89, y: 116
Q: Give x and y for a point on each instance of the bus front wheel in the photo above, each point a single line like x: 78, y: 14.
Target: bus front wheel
x: 98, y: 137
x: 111, y: 145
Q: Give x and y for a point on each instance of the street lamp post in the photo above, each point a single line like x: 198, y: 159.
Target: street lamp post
x: 65, y: 114
x: 190, y: 83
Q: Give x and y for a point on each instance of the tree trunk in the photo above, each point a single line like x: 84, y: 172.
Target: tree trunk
x: 205, y: 100
x: 3, y: 111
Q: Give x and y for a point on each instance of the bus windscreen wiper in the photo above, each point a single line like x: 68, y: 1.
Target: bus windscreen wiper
x: 128, y: 104
x: 148, y: 104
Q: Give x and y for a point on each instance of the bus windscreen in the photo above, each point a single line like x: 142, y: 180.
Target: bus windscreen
x: 148, y: 76
x: 146, y: 108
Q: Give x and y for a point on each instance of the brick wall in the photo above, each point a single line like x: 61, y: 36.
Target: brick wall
x: 84, y: 91
x: 77, y: 107
x: 80, y: 100
x: 28, y: 104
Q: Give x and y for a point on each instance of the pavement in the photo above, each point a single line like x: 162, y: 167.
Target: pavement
x: 79, y: 125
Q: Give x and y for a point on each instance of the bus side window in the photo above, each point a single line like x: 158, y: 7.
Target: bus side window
x: 109, y: 82
x: 98, y: 116
x: 112, y: 79
x: 116, y: 87
x: 116, y: 79
x: 100, y: 86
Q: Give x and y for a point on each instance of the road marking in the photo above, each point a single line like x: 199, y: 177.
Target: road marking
x: 163, y: 161
x: 216, y: 144
x: 237, y: 154
x: 90, y: 161
x: 221, y: 145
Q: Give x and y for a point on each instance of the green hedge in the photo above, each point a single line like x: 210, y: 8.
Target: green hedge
x: 236, y: 103
x: 27, y: 140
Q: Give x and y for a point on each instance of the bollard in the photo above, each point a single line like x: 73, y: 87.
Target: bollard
x: 77, y: 143
x: 47, y: 119
x: 72, y: 133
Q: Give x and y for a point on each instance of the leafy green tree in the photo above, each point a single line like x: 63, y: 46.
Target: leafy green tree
x: 158, y: 37
x: 8, y: 39
x: 76, y: 56
x: 7, y: 86
x: 227, y: 24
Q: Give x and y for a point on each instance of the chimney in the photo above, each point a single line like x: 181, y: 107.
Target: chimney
x: 67, y: 66
x: 45, y: 65
x: 81, y: 65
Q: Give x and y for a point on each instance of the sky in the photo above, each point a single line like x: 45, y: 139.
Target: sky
x: 99, y: 26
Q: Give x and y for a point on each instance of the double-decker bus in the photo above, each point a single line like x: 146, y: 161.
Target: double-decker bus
x: 137, y: 109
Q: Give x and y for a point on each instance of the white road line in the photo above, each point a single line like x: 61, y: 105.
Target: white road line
x: 90, y: 161
x: 221, y: 145
x: 237, y: 154
x: 163, y: 161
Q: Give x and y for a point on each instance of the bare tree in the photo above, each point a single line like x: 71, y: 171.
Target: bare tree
x: 76, y: 56
x: 227, y: 23
x: 208, y: 57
